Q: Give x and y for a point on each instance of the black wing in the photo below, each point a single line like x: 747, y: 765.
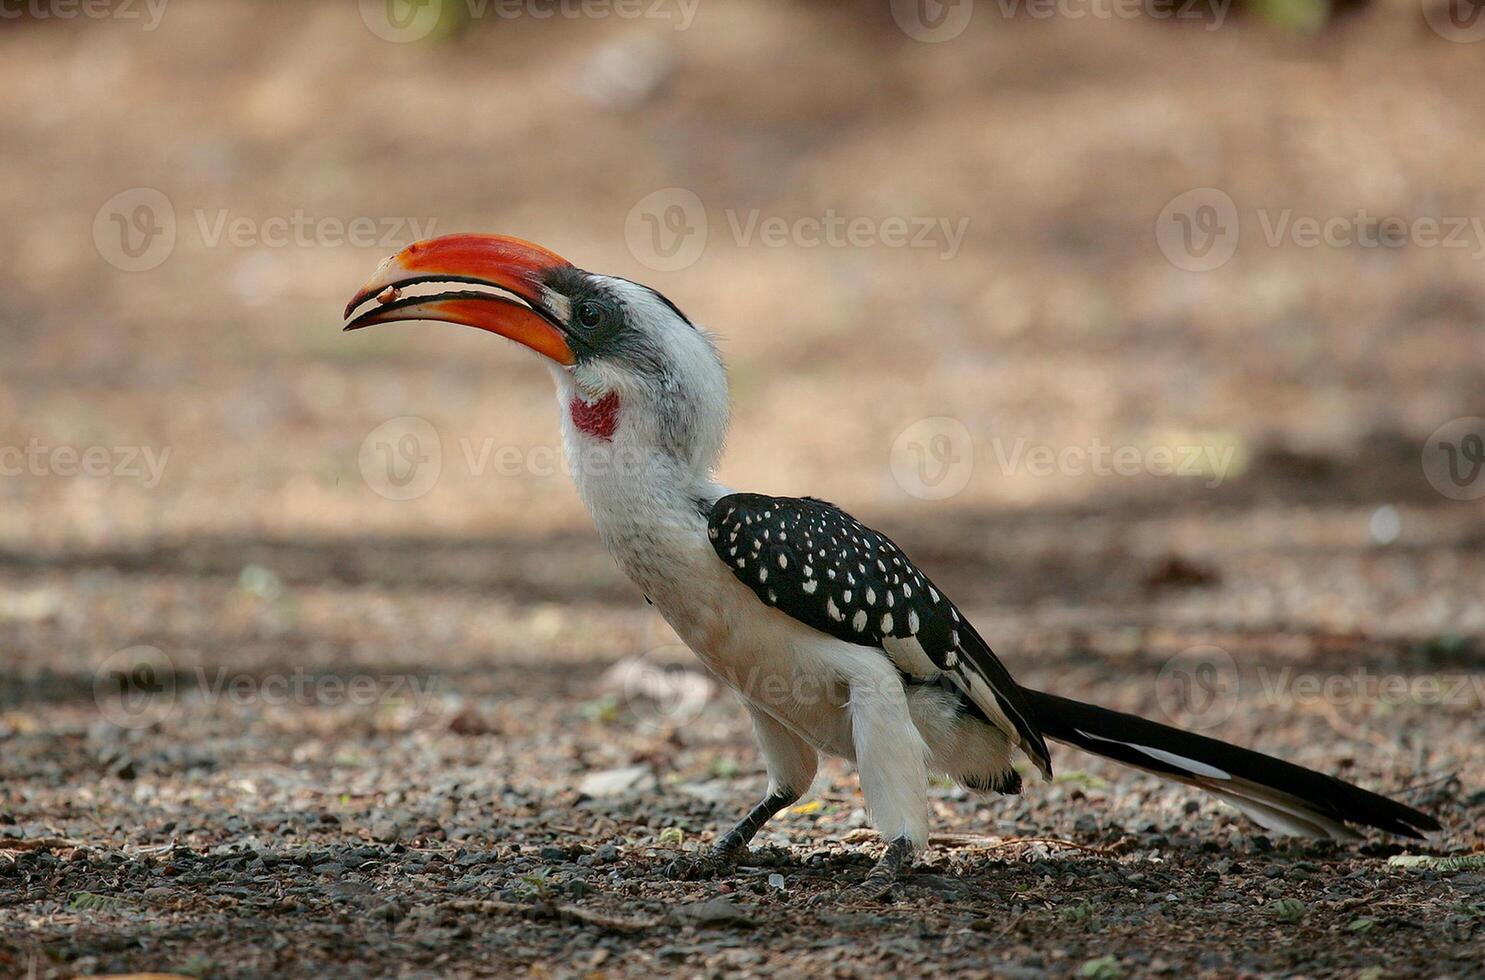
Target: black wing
x: 814, y: 561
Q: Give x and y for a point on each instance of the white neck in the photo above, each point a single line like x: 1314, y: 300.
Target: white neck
x: 643, y: 428
x: 648, y: 505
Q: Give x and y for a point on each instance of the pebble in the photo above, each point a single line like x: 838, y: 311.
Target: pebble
x: 717, y: 912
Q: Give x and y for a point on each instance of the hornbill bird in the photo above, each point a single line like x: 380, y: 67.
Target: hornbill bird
x: 835, y: 641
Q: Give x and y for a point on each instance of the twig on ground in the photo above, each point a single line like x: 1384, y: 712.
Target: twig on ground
x: 554, y: 913
x: 862, y: 834
x: 38, y: 843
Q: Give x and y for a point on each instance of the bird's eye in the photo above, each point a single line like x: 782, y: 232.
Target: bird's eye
x: 589, y: 314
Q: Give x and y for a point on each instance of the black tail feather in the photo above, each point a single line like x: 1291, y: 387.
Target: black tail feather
x: 1278, y: 794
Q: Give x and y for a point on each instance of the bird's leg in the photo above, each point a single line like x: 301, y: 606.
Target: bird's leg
x: 891, y: 759
x: 791, y: 766
x: 730, y: 848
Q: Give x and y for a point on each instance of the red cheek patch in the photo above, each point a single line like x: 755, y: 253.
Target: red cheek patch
x: 599, y: 419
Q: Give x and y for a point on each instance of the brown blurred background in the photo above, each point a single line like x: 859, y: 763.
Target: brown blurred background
x: 1135, y: 272
x: 278, y: 152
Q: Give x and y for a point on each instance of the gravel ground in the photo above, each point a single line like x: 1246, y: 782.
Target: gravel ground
x: 514, y: 813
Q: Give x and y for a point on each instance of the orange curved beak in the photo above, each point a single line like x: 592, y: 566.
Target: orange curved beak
x: 510, y: 264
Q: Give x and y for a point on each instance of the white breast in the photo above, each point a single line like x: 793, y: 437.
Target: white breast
x: 651, y: 515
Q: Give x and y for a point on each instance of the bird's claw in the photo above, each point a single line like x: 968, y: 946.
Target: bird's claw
x: 875, y: 888
x: 879, y: 882
x: 695, y: 867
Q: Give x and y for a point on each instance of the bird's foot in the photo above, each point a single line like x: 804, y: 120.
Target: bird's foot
x: 715, y: 863
x: 882, y: 878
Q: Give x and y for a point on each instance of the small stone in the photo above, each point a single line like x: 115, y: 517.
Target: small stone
x: 614, y: 782
x: 717, y: 912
